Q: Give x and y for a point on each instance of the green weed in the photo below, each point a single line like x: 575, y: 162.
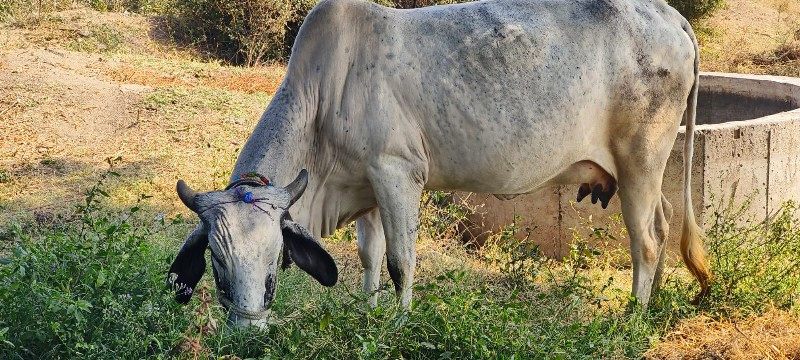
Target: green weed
x: 756, y: 264
x: 87, y: 288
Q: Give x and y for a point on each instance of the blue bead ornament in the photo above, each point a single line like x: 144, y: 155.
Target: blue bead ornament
x: 248, y: 197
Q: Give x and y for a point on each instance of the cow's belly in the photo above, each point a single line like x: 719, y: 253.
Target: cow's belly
x: 514, y: 142
x: 513, y: 161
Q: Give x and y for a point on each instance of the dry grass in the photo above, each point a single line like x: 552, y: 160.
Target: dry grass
x: 752, y: 36
x: 773, y: 335
x: 264, y: 79
x: 63, y: 110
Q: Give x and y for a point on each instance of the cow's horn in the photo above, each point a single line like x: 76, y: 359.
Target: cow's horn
x: 187, y: 195
x: 297, y: 186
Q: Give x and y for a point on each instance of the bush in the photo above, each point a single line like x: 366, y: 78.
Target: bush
x: 87, y: 289
x: 247, y: 32
x: 252, y: 32
x: 756, y: 265
x: 696, y: 9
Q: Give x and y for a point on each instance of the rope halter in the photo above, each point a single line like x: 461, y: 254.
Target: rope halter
x: 241, y: 312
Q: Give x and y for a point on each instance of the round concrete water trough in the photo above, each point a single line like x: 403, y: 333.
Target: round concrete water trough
x: 747, y: 143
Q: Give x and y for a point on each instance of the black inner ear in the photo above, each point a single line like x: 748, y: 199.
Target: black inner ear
x: 308, y: 254
x: 188, y: 266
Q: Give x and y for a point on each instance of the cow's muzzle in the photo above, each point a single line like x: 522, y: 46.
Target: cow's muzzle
x: 239, y: 317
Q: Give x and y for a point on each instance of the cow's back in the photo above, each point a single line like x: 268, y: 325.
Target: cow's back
x: 504, y: 93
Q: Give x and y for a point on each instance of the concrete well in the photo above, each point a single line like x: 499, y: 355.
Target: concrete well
x: 747, y: 144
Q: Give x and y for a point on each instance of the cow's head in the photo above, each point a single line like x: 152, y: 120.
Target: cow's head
x: 246, y: 227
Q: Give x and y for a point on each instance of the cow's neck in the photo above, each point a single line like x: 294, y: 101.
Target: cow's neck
x: 284, y: 142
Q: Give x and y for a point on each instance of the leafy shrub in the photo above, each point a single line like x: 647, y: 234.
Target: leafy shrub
x: 27, y: 11
x: 755, y: 264
x: 519, y: 260
x: 90, y: 288
x: 252, y: 32
x: 443, y: 216
x: 696, y: 9
x: 247, y: 32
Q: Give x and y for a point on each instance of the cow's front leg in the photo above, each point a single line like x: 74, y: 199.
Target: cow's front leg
x: 371, y: 248
x: 398, y: 188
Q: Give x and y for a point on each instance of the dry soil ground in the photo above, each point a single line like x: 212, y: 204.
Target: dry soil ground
x: 79, y: 86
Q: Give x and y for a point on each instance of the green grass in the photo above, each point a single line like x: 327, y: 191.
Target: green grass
x: 91, y: 285
x: 101, y: 38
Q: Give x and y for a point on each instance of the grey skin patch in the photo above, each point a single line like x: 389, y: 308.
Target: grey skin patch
x: 598, y: 10
x: 646, y: 67
x: 390, y: 56
x: 426, y: 29
x: 644, y: 14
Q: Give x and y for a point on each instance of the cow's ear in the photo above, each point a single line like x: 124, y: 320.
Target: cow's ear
x: 189, y: 265
x: 308, y: 254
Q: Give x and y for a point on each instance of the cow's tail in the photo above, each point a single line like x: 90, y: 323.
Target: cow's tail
x: 692, y: 235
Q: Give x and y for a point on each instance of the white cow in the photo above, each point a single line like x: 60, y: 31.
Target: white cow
x: 497, y: 96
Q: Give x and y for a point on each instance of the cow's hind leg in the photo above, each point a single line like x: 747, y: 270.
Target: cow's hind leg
x: 643, y: 213
x: 398, y: 185
x: 371, y: 249
x: 663, y: 216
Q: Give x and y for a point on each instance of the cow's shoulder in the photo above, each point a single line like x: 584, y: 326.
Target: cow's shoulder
x: 327, y: 11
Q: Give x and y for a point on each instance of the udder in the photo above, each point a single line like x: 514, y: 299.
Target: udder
x: 593, y: 178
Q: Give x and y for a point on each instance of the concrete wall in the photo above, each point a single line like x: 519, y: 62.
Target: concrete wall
x: 747, y: 143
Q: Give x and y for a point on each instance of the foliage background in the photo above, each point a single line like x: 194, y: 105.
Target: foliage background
x: 249, y: 32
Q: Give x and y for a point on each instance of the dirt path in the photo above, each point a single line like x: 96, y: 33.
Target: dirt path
x: 70, y: 98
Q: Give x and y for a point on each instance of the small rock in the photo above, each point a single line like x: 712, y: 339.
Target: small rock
x: 84, y: 32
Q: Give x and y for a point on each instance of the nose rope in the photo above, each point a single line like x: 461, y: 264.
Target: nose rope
x: 243, y: 313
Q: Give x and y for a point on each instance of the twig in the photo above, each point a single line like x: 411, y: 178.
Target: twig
x: 185, y: 128
x: 16, y: 102
x: 138, y: 112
